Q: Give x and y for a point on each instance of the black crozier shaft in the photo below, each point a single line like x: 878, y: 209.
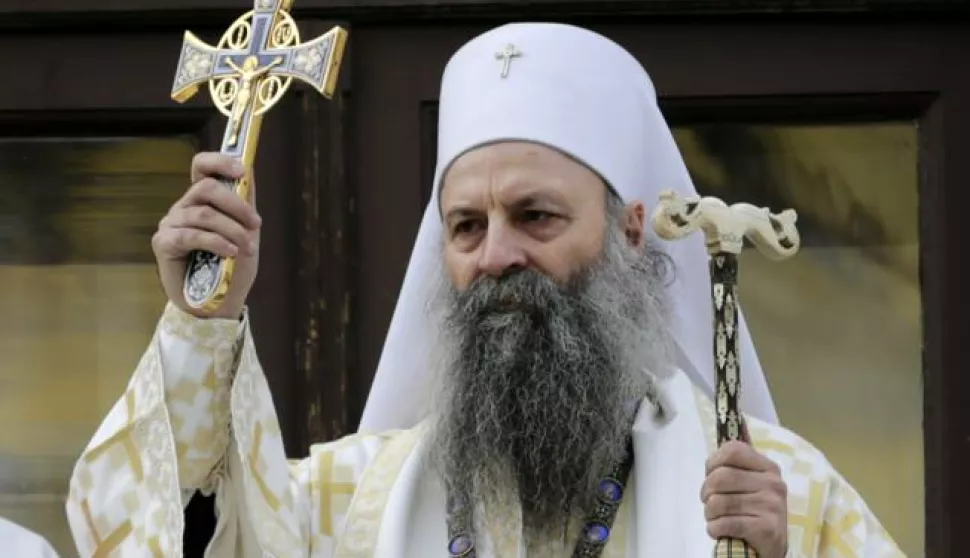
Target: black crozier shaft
x: 727, y: 365
x: 724, y: 296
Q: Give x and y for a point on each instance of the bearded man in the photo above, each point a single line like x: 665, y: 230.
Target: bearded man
x: 534, y: 397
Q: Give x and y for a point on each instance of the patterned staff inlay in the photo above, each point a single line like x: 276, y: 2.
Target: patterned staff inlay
x: 724, y: 279
x: 725, y: 229
x: 248, y: 72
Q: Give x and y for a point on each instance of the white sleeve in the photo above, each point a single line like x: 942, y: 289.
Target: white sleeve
x: 163, y: 439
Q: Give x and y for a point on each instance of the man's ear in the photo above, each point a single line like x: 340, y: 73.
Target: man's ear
x: 633, y: 223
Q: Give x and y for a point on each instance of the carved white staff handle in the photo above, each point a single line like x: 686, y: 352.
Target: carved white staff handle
x: 725, y: 228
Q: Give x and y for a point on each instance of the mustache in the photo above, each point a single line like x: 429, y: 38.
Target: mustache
x: 525, y: 292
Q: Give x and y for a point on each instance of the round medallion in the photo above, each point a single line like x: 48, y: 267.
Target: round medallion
x: 610, y: 491
x: 461, y: 545
x: 597, y: 533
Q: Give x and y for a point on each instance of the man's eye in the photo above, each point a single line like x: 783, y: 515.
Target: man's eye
x: 536, y: 216
x: 468, y: 226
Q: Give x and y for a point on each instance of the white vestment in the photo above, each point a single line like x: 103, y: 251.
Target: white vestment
x: 23, y: 543
x: 191, y: 418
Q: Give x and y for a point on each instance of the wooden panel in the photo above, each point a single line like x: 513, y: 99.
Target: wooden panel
x: 92, y: 72
x: 395, y: 71
x: 272, y: 301
x: 327, y: 293
x: 21, y: 12
x: 428, y: 147
x: 944, y: 197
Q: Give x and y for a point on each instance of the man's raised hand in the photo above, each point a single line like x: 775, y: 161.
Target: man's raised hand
x: 210, y: 217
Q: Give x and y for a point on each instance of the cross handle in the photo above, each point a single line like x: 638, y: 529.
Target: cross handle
x: 248, y: 72
x: 725, y: 227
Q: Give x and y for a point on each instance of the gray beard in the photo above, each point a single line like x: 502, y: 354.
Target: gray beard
x: 541, y: 381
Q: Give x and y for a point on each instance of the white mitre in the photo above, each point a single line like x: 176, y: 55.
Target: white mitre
x: 581, y: 93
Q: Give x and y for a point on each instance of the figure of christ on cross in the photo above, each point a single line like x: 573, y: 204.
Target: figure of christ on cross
x: 249, y: 75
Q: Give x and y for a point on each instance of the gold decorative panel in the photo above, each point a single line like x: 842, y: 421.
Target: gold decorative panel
x: 838, y: 326
x: 81, y: 299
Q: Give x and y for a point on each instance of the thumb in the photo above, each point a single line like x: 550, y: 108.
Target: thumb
x: 745, y: 435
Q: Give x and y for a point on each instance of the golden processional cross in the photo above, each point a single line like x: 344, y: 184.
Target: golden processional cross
x: 248, y: 72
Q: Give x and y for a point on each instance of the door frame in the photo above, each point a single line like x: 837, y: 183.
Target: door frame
x: 85, y: 14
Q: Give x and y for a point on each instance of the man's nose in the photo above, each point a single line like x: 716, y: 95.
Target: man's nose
x: 502, y: 251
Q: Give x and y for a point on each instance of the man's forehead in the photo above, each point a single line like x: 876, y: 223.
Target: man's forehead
x: 524, y: 168
x: 506, y: 154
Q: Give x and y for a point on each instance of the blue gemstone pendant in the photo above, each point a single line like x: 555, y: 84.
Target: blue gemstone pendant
x: 611, y: 491
x: 597, y: 533
x: 461, y: 545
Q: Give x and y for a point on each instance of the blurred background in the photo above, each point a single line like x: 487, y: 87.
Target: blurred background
x: 856, y: 114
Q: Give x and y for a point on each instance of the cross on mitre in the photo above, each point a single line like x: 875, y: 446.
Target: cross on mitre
x: 506, y: 56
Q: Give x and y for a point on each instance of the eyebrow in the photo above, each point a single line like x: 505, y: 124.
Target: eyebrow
x: 530, y: 199
x: 539, y: 198
x: 459, y: 212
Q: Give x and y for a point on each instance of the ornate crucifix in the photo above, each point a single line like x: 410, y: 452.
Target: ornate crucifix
x: 248, y: 72
x: 725, y: 229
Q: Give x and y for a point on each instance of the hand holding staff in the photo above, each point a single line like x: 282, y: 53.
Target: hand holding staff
x: 725, y: 228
